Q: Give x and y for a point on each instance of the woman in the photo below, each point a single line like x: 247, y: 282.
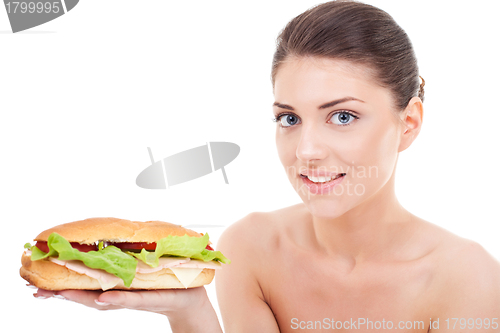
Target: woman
x: 348, y: 99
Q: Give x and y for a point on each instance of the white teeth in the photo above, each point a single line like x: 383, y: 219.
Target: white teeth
x: 320, y: 179
x: 324, y: 179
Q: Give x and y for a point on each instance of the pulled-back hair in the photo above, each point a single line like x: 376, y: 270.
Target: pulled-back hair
x: 356, y: 32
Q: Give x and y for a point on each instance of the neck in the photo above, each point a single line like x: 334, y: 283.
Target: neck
x: 374, y: 229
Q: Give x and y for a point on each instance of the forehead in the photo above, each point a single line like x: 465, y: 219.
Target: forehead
x: 314, y: 80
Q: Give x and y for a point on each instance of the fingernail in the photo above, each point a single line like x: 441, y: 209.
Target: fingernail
x: 101, y: 303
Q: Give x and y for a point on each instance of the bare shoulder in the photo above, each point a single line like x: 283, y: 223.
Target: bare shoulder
x: 467, y: 260
x: 249, y: 243
x: 262, y: 230
x: 467, y: 276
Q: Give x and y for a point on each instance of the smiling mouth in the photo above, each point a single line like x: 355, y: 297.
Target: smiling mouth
x: 322, y: 179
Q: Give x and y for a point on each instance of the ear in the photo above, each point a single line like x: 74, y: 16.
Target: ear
x: 412, y: 119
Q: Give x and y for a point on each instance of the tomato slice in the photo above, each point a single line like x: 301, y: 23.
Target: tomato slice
x: 42, y: 246
x: 84, y: 247
x: 80, y: 247
x: 142, y: 245
x: 135, y: 246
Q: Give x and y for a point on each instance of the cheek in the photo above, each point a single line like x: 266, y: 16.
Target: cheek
x: 287, y: 147
x: 372, y: 155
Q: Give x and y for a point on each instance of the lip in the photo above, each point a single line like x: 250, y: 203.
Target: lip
x: 321, y: 188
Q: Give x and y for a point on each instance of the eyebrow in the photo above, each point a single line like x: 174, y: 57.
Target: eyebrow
x: 324, y: 106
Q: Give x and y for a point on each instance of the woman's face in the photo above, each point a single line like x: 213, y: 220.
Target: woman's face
x: 337, y: 133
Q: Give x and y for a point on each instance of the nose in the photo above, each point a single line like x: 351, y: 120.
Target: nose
x: 312, y: 146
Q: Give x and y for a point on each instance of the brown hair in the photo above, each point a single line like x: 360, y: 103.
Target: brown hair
x: 356, y: 32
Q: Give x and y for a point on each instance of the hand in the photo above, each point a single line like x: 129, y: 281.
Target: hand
x: 188, y: 310
x: 160, y: 301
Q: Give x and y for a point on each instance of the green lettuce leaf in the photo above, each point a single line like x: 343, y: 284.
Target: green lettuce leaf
x: 111, y: 259
x: 180, y: 246
x: 207, y: 255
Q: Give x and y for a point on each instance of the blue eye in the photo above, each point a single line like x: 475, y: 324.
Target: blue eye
x: 287, y: 120
x: 343, y: 118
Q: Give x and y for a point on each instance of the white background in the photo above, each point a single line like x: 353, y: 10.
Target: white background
x: 83, y: 96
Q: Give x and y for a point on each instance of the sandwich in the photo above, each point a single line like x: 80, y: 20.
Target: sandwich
x: 112, y: 253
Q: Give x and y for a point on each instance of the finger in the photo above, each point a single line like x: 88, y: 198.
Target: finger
x: 85, y: 297
x: 159, y: 301
x: 151, y: 300
x: 42, y: 293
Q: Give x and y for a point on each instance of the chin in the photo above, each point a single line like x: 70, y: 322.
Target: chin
x: 325, y: 206
x: 332, y: 206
